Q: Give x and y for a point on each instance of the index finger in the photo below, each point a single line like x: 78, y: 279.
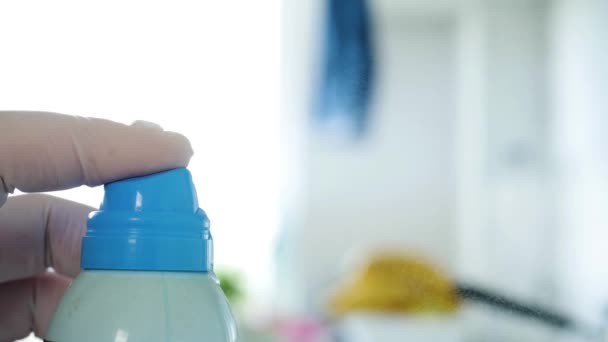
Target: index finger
x: 46, y: 151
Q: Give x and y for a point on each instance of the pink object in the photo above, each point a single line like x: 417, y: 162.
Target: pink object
x: 303, y: 330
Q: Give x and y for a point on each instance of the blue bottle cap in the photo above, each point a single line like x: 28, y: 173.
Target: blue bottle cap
x: 150, y: 223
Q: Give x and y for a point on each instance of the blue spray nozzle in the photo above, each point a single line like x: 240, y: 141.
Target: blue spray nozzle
x: 149, y: 223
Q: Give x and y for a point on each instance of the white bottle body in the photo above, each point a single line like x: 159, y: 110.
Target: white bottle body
x: 138, y: 306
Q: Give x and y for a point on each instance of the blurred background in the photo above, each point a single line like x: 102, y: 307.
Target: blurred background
x: 363, y: 163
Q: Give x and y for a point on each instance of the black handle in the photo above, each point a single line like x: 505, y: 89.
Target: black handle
x: 531, y: 311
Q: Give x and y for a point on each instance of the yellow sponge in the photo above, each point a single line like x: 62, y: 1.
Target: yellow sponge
x: 397, y: 284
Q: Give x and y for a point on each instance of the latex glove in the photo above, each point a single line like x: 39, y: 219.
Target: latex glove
x: 44, y: 152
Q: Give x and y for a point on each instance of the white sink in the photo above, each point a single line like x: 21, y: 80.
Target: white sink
x: 372, y: 327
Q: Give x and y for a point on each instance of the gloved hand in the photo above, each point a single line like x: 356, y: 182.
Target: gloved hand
x: 44, y: 152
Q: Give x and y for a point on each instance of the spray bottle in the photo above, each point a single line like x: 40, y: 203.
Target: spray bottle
x: 147, y: 260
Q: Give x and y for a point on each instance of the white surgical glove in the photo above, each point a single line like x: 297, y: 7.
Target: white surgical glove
x: 45, y: 152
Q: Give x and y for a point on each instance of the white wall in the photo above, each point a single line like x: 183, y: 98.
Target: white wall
x: 506, y: 215
x: 581, y: 80
x: 506, y: 184
x: 397, y: 186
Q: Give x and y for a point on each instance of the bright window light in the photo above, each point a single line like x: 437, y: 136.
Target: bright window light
x: 207, y: 69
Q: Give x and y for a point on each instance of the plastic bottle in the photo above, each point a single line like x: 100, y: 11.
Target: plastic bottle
x: 147, y: 260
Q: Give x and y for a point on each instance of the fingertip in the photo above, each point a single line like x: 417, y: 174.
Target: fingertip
x: 180, y: 148
x: 147, y: 125
x: 114, y: 151
x: 28, y: 305
x: 49, y: 289
x: 38, y: 231
x: 176, y: 148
